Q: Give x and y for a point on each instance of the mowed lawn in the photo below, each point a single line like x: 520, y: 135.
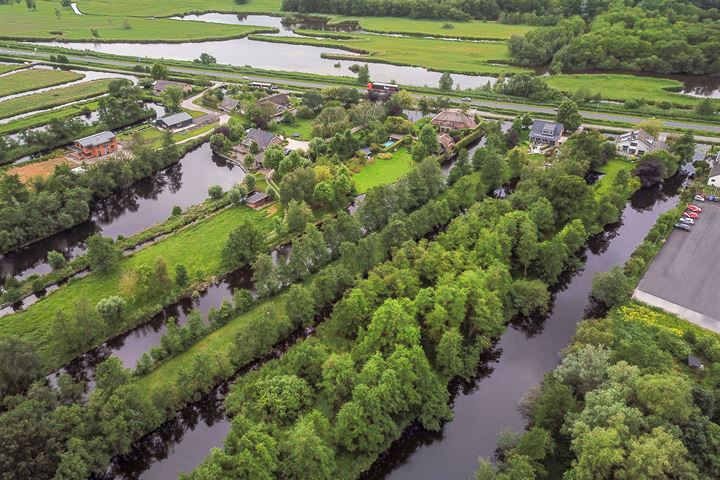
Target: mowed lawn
x: 53, y: 98
x: 159, y: 8
x: 27, y: 80
x: 472, y: 29
x: 303, y: 126
x: 623, y: 87
x: 44, y: 24
x: 9, y: 67
x: 198, y: 247
x: 382, y: 172
x: 433, y: 53
x: 611, y: 170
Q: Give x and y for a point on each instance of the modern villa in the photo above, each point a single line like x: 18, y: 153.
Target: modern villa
x: 638, y: 142
x: 94, y: 146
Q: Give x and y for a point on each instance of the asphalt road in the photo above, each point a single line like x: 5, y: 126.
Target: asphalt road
x: 684, y: 275
x: 517, y: 107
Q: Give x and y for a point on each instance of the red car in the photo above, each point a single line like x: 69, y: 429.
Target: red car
x: 692, y: 215
x: 694, y: 208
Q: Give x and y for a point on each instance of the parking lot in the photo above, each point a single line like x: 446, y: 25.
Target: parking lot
x: 684, y: 278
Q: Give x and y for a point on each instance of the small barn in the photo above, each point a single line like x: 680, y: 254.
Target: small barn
x: 257, y: 200
x: 175, y: 121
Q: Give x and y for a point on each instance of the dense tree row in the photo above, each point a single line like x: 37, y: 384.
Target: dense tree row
x: 629, y: 38
x: 623, y: 404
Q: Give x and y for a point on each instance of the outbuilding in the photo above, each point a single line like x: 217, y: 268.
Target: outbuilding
x: 175, y: 121
x: 229, y: 104
x: 161, y: 85
x: 714, y: 179
x: 257, y: 200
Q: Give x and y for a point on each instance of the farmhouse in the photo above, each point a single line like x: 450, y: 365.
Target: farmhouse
x: 280, y: 101
x: 257, y: 200
x: 638, y: 142
x: 94, y: 146
x: 544, y: 132
x: 262, y: 139
x: 453, y: 119
x: 173, y: 122
x: 229, y: 104
x: 714, y: 179
x: 161, y: 85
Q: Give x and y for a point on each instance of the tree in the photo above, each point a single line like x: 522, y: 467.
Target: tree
x: 300, y: 305
x: 705, y: 108
x: 243, y: 244
x: 297, y: 217
x: 339, y: 377
x: 215, y: 192
x: 102, y: 254
x: 19, y: 365
x: 110, y: 374
x: 56, y: 260
x: 281, y: 398
x: 584, y: 369
x: 181, y: 275
x: 568, y: 115
x: 111, y: 309
x: 363, y: 75
x: 446, y: 82
x: 684, y: 146
x: 158, y: 72
x: 529, y: 296
x: 206, y: 59
x: 307, y: 454
x: 450, y: 353
x: 612, y: 287
x: 260, y: 113
x: 172, y: 97
x: 653, y: 126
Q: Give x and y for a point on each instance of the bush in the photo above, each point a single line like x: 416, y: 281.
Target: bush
x: 176, y: 211
x: 215, y: 192
x: 56, y: 260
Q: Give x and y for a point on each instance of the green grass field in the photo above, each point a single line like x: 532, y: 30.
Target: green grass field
x: 165, y: 8
x: 623, y: 87
x: 45, y: 117
x: 53, y: 98
x: 302, y: 126
x: 9, y: 67
x: 44, y: 24
x: 382, y: 172
x: 198, y: 247
x: 431, y: 53
x: 473, y: 29
x: 27, y: 80
x: 611, y: 169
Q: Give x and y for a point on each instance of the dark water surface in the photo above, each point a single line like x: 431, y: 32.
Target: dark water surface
x: 131, y: 210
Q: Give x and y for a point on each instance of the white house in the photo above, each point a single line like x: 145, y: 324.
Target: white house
x: 638, y: 142
x: 714, y: 179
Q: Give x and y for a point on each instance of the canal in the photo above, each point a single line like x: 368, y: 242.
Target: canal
x: 482, y: 409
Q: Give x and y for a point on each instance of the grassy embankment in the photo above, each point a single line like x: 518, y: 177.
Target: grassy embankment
x: 166, y: 8
x: 198, y: 247
x: 44, y: 24
x: 624, y: 87
x: 27, y: 80
x: 432, y: 53
x: 381, y: 171
x: 44, y: 118
x: 53, y: 98
x: 9, y: 67
x: 434, y: 28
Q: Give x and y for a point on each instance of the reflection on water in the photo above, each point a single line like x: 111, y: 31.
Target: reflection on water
x: 131, y: 210
x: 490, y: 404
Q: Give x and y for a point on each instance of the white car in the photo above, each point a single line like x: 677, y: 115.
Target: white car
x: 245, y: 77
x: 688, y: 221
x: 466, y: 100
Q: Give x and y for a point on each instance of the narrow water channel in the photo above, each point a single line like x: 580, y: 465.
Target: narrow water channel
x: 482, y: 409
x: 490, y: 404
x: 131, y: 210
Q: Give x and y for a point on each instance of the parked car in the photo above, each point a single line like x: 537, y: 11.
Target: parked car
x: 245, y: 77
x: 692, y: 215
x: 694, y: 208
x: 682, y: 226
x: 699, y: 198
x: 712, y: 198
x: 687, y: 221
x: 466, y: 99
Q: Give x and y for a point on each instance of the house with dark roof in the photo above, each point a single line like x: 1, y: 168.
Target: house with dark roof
x: 229, y: 104
x: 280, y: 101
x: 262, y: 138
x: 638, y: 142
x: 453, y: 119
x: 161, y: 85
x: 175, y: 121
x: 257, y: 200
x: 544, y: 132
x: 94, y: 146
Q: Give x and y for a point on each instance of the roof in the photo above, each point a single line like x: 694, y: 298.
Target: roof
x: 546, y: 130
x: 161, y: 85
x: 229, y: 103
x: 261, y: 137
x: 97, y: 139
x: 256, y: 197
x: 715, y: 170
x: 277, y: 99
x: 454, y: 118
x: 176, y: 119
x: 694, y: 362
x: 446, y: 141
x: 641, y: 136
